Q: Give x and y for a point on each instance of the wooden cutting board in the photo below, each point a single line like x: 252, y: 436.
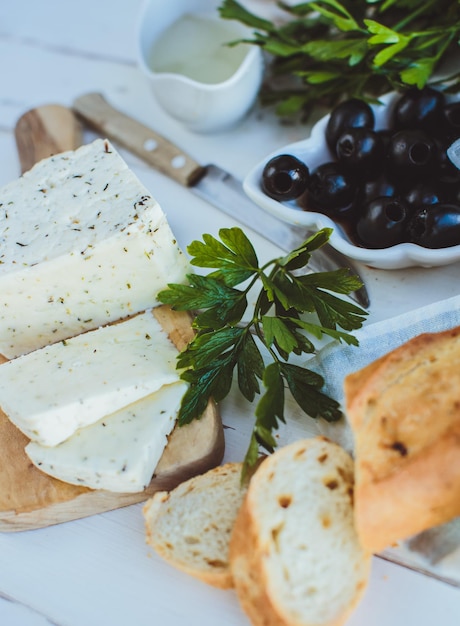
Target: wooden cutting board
x: 44, y: 131
x: 28, y: 497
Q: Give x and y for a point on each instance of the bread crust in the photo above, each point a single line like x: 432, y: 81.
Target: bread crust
x: 249, y: 574
x: 404, y: 410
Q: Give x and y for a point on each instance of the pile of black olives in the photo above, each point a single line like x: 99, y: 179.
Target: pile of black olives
x: 387, y: 186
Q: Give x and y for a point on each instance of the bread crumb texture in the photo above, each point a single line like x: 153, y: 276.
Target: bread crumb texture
x: 296, y: 557
x: 190, y: 526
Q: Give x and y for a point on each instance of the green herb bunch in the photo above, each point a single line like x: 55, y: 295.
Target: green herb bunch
x: 327, y: 50
x: 276, y: 328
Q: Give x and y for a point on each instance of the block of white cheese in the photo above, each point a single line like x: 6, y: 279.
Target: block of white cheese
x: 82, y: 243
x: 52, y: 392
x: 121, y: 451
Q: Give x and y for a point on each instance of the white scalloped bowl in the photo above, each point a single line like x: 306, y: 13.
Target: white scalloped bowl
x: 313, y: 151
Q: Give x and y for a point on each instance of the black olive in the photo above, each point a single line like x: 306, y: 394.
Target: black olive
x: 447, y: 173
x: 419, y: 108
x: 382, y: 223
x: 377, y: 188
x: 411, y: 152
x: 422, y: 193
x: 331, y: 190
x: 285, y: 177
x: 361, y: 150
x: 451, y: 115
x: 352, y: 113
x: 436, y: 226
x: 385, y: 135
x: 451, y: 192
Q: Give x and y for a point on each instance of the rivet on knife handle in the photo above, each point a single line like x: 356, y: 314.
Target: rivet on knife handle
x: 137, y: 138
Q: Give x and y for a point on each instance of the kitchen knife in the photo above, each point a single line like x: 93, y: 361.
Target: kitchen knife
x: 210, y: 182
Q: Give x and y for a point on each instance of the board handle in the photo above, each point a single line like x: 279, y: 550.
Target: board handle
x: 122, y: 129
x: 45, y: 131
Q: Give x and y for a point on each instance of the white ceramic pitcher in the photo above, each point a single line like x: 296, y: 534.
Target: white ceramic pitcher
x: 201, y: 106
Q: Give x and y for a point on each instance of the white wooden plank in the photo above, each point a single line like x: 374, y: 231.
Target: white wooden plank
x: 101, y: 29
x: 13, y: 613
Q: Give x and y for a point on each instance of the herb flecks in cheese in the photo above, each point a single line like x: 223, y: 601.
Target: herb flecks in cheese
x: 74, y: 232
x: 52, y: 392
x: 121, y: 451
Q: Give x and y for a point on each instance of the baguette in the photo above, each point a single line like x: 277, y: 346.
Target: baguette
x: 294, y: 553
x: 404, y: 410
x: 190, y: 526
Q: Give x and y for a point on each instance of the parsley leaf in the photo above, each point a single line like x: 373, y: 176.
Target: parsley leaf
x: 259, y: 349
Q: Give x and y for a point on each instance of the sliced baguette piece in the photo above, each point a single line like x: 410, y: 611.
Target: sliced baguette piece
x: 404, y: 410
x: 190, y: 526
x: 294, y: 552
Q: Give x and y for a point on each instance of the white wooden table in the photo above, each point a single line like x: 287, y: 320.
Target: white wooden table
x: 99, y: 571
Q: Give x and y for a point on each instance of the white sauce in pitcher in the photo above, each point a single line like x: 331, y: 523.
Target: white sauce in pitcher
x: 196, y: 46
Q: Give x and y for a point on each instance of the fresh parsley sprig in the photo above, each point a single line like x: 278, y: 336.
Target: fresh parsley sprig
x: 259, y: 348
x: 327, y: 50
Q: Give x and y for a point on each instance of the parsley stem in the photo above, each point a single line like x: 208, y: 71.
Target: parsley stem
x: 257, y: 319
x: 444, y: 46
x: 409, y: 18
x: 255, y: 278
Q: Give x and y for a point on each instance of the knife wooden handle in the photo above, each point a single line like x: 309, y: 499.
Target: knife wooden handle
x: 163, y: 155
x: 45, y: 131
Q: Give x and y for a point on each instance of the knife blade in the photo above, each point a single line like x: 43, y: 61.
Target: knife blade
x: 210, y: 182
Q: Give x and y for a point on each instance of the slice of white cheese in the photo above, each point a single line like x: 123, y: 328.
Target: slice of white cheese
x: 82, y: 244
x: 52, y: 392
x: 121, y: 451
